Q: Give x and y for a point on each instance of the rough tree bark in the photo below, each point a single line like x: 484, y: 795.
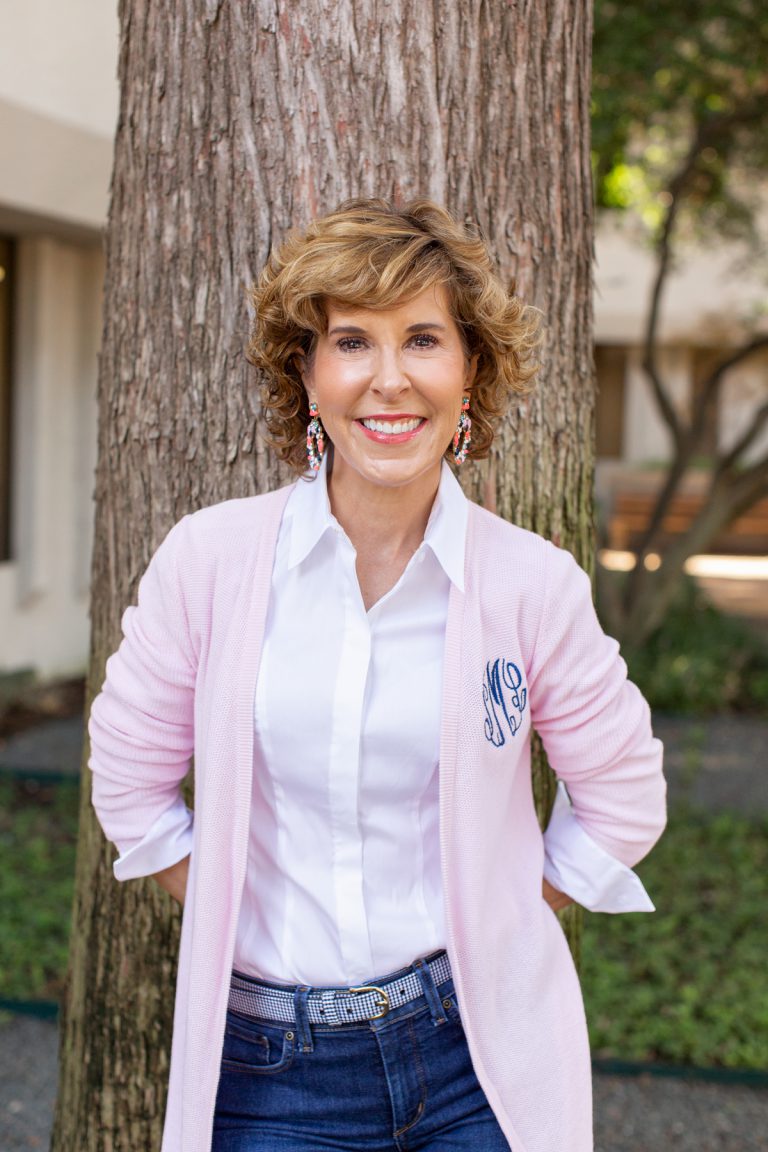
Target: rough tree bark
x: 237, y: 120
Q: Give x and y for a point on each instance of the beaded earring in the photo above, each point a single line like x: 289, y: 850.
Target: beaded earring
x: 315, y: 439
x: 463, y: 436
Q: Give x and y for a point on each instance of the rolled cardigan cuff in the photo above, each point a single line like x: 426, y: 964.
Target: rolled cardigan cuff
x: 167, y: 842
x: 576, y: 865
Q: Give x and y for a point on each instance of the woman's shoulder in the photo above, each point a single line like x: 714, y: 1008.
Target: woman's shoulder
x: 497, y: 545
x: 241, y: 513
x: 225, y: 533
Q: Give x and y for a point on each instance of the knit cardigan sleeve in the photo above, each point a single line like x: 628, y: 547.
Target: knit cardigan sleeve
x: 594, y: 723
x: 141, y: 724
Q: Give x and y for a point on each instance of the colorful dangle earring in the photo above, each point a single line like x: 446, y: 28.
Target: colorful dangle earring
x: 315, y: 439
x: 463, y: 437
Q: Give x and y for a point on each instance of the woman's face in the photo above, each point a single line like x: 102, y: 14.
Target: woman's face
x: 388, y: 386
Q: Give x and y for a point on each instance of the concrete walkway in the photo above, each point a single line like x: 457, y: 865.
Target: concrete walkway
x: 52, y: 748
x: 632, y: 1114
x: 717, y: 762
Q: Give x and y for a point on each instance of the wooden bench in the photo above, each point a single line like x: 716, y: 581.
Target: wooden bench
x: 631, y: 512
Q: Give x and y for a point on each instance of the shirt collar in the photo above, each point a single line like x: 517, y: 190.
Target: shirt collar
x: 446, y: 532
x: 311, y: 515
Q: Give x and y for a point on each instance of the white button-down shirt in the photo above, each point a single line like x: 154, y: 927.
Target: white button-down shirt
x: 348, y: 720
x: 343, y: 881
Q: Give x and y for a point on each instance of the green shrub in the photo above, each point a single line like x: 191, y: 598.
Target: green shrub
x: 686, y: 984
x: 38, y: 834
x: 701, y: 661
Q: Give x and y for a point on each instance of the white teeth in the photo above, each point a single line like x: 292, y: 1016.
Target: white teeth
x: 392, y: 428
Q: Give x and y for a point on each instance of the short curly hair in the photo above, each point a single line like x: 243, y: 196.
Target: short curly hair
x: 371, y: 254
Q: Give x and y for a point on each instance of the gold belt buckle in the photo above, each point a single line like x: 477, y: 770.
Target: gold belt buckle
x: 382, y: 1003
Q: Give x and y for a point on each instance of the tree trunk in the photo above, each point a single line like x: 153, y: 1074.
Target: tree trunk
x: 238, y: 120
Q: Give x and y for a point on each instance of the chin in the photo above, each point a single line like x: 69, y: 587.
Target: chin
x: 396, y: 474
x: 384, y: 473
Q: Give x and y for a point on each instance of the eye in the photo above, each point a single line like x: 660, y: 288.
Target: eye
x: 350, y: 343
x: 424, y: 340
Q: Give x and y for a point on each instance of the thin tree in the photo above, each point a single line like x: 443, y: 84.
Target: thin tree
x: 238, y: 120
x: 681, y: 139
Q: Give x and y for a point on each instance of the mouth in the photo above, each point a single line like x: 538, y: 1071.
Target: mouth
x: 391, y: 430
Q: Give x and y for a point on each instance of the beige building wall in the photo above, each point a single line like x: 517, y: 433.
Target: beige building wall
x: 44, y: 588
x: 709, y: 303
x: 743, y: 393
x: 58, y: 105
x: 59, y: 58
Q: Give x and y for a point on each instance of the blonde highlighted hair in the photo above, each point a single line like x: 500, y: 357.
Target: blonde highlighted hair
x: 370, y: 254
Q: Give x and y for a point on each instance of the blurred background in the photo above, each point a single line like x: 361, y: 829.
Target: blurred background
x: 680, y: 132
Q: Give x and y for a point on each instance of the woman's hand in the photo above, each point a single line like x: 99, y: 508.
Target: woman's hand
x: 174, y: 879
x: 556, y: 900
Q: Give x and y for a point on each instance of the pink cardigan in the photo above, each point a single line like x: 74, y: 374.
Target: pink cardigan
x: 523, y: 648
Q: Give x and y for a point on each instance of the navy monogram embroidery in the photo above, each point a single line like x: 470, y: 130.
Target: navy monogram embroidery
x: 504, y: 698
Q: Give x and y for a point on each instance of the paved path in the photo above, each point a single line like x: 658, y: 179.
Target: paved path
x: 52, y: 747
x: 715, y: 763
x: 640, y: 1114
x: 649, y: 1114
x: 28, y: 1076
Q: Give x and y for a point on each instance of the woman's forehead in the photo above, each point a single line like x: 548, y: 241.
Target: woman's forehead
x: 431, y: 303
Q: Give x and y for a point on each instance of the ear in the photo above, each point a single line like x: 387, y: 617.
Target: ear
x: 304, y: 365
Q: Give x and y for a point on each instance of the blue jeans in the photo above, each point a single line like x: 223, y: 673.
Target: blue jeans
x: 402, y: 1082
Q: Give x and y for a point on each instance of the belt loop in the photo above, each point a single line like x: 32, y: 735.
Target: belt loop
x: 430, y: 991
x: 301, y: 1012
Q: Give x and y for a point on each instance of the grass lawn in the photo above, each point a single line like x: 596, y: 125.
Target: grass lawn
x: 686, y: 985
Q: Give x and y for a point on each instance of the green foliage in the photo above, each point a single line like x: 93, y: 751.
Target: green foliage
x: 701, y: 661
x: 686, y: 985
x: 38, y: 833
x: 666, y: 75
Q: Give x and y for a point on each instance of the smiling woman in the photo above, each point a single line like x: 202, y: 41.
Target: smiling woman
x: 389, y: 333
x: 368, y: 256
x: 357, y: 665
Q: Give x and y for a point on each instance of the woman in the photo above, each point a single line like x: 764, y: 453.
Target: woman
x: 369, y: 955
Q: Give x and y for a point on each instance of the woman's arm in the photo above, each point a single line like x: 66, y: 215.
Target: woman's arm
x: 141, y: 725
x: 174, y: 879
x: 556, y: 900
x: 594, y: 723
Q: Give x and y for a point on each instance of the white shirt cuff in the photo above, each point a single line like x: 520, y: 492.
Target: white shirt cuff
x: 167, y: 841
x: 576, y: 865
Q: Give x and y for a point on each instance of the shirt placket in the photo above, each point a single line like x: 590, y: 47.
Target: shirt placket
x: 344, y: 774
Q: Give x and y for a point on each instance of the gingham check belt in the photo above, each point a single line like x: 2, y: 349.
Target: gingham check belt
x: 333, y: 1006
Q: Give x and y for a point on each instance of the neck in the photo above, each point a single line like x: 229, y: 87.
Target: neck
x: 389, y: 521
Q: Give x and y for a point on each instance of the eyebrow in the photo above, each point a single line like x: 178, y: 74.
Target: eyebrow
x: 353, y: 330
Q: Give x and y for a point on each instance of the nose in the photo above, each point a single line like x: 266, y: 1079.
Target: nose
x: 389, y: 380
